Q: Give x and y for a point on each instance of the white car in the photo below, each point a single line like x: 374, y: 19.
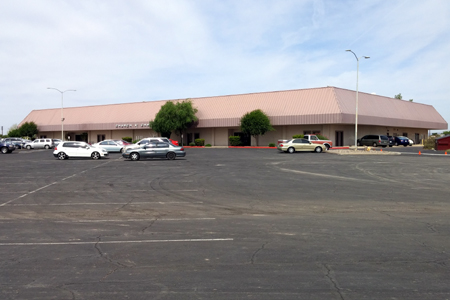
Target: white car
x: 67, y: 150
x: 411, y: 142
x: 147, y: 141
x: 39, y: 144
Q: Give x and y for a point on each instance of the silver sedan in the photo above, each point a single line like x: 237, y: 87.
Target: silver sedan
x: 155, y: 150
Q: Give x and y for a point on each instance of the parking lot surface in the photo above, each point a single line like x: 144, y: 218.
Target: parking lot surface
x: 225, y: 224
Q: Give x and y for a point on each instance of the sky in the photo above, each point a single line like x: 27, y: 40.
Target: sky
x: 113, y: 51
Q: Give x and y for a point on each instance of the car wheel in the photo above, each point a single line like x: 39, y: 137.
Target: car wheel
x: 47, y: 147
x: 396, y: 144
x: 95, y: 155
x: 327, y: 146
x: 28, y: 147
x: 4, y: 150
x: 359, y: 144
x: 291, y: 150
x: 374, y: 144
x: 134, y: 156
x: 318, y: 149
x: 171, y: 155
x: 121, y: 150
x: 61, y: 156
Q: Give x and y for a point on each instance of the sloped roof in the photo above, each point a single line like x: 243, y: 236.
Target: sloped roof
x: 327, y: 105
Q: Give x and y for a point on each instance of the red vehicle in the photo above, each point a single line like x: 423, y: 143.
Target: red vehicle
x: 174, y: 142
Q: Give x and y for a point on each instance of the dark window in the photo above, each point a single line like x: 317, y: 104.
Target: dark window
x: 162, y: 145
x: 144, y: 142
x: 383, y: 137
x: 298, y: 141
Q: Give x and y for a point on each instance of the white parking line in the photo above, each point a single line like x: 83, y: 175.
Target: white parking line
x: 92, y: 203
x: 135, y: 220
x: 117, y: 242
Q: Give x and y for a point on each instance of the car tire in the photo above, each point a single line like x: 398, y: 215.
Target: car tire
x: 171, y: 156
x: 4, y: 150
x: 291, y: 150
x: 318, y: 150
x: 359, y: 144
x: 121, y: 150
x: 28, y: 147
x: 374, y: 144
x: 95, y: 155
x: 396, y: 144
x: 47, y: 147
x: 327, y: 147
x: 134, y: 156
x: 61, y: 156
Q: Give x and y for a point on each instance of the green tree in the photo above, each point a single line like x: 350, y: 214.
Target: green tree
x: 176, y: 117
x: 446, y: 132
x: 13, y: 131
x: 255, y: 123
x: 28, y: 129
x: 399, y: 96
x: 164, y: 120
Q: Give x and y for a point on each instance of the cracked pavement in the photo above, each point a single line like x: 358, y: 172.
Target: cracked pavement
x: 225, y: 224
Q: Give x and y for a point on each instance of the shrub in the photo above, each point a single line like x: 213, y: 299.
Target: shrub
x: 191, y: 144
x: 208, y: 145
x: 271, y: 145
x: 298, y: 136
x: 321, y: 137
x: 200, y: 142
x: 235, y: 140
x: 429, y: 143
x: 127, y: 139
x: 135, y: 141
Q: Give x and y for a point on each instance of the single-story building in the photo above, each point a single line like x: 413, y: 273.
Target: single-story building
x: 329, y: 111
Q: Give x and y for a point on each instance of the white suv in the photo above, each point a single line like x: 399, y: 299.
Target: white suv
x: 39, y: 144
x: 65, y: 150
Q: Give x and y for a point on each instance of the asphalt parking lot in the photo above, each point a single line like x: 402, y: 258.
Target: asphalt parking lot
x: 225, y: 224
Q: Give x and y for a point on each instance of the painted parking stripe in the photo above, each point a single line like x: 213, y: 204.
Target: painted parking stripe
x: 117, y: 242
x: 135, y: 220
x: 94, y: 203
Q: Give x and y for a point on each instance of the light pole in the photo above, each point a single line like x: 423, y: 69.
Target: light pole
x: 62, y: 108
x: 356, y: 111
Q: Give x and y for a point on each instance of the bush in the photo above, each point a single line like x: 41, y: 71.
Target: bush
x: 208, y: 145
x: 271, y: 145
x: 321, y: 137
x: 191, y: 144
x: 429, y: 143
x: 135, y: 141
x: 199, y: 142
x: 127, y: 139
x: 235, y: 140
x: 298, y: 136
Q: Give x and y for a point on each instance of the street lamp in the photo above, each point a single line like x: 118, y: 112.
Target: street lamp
x: 62, y: 107
x: 356, y: 111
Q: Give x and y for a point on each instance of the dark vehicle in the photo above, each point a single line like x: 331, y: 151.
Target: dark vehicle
x: 373, y: 140
x: 155, y: 150
x: 17, y: 142
x: 7, y: 147
x: 391, y: 141
x: 401, y: 140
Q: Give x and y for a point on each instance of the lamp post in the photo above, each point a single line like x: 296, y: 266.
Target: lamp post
x: 62, y: 108
x: 356, y: 111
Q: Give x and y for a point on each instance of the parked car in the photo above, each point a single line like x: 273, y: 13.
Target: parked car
x: 154, y: 150
x: 40, y: 144
x: 391, y: 141
x: 110, y: 145
x: 373, y: 140
x: 17, y: 142
x: 56, y: 142
x: 67, y: 150
x: 401, y: 140
x: 7, y: 147
x: 149, y: 140
x: 294, y: 145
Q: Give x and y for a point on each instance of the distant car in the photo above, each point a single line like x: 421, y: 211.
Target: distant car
x: 67, y: 150
x: 17, y: 142
x: 7, y: 147
x: 295, y: 145
x: 56, y: 142
x: 110, y: 145
x: 174, y: 142
x: 39, y: 144
x: 148, y: 141
x: 373, y: 140
x: 155, y: 150
x: 391, y: 141
x: 401, y: 140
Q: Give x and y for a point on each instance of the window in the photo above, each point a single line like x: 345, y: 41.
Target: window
x: 100, y: 137
x: 162, y: 145
x: 405, y: 134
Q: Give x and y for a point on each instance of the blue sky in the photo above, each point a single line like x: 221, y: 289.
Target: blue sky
x: 130, y: 51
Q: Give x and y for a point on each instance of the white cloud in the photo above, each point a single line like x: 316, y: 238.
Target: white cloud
x: 122, y: 51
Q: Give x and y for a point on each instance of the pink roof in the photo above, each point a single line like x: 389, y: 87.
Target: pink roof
x: 328, y: 105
